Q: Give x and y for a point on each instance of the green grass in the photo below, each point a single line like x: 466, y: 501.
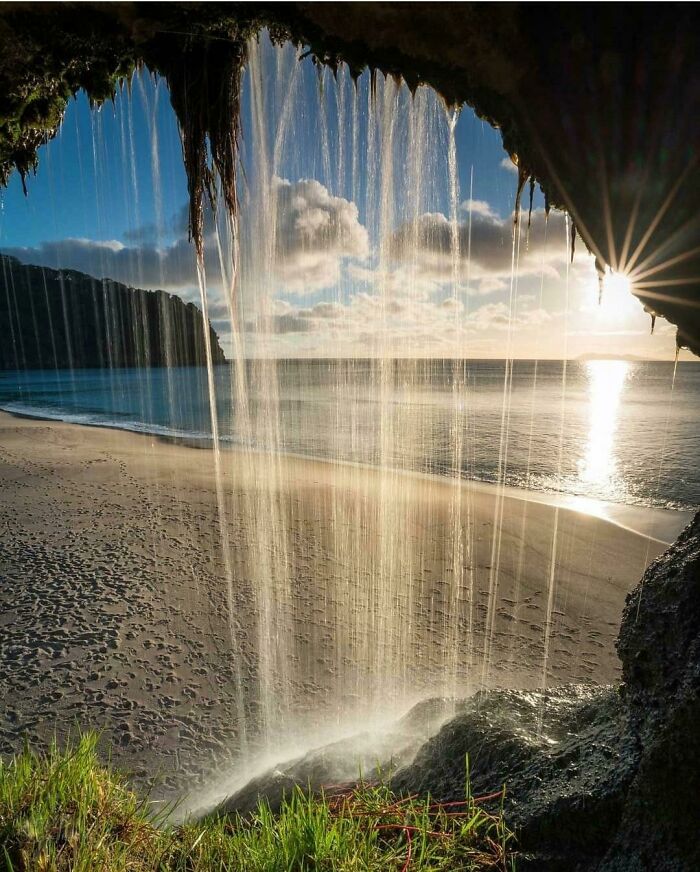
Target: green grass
x: 63, y: 811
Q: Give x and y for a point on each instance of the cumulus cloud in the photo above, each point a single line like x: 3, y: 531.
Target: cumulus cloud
x: 316, y: 233
x: 371, y: 325
x: 498, y: 316
x: 478, y: 207
x: 171, y: 267
x: 285, y: 318
x: 292, y: 322
x: 480, y: 248
x: 507, y: 164
x: 367, y: 324
x: 423, y: 256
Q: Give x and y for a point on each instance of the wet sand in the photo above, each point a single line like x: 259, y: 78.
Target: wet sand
x: 116, y: 611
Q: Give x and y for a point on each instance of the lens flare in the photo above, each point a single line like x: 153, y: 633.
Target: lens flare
x: 617, y: 299
x: 616, y: 284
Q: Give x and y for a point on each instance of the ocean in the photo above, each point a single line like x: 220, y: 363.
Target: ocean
x: 617, y: 431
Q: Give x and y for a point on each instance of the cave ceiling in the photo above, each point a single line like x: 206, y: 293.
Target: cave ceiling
x: 598, y: 103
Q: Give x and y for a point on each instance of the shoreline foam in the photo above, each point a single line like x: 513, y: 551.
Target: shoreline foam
x: 662, y: 525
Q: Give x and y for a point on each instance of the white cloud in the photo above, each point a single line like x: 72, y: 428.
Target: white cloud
x: 427, y: 254
x: 316, y: 232
x: 285, y: 318
x: 479, y: 207
x: 497, y: 316
x: 369, y: 323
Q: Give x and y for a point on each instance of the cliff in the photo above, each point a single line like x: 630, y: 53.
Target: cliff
x: 66, y: 319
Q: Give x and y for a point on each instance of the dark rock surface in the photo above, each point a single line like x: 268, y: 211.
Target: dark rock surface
x: 597, y: 778
x: 564, y: 756
x: 608, y: 779
x: 54, y: 319
x: 659, y: 645
x: 369, y: 755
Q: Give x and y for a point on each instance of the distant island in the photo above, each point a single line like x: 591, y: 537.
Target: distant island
x: 628, y: 358
x: 63, y: 319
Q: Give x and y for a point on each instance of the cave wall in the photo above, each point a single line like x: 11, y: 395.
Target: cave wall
x: 600, y: 105
x: 599, y: 779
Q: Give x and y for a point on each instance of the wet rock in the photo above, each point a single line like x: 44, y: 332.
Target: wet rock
x: 367, y: 755
x: 659, y: 645
x: 597, y: 779
x: 563, y: 755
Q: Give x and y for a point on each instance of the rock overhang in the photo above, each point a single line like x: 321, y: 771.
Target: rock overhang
x: 600, y: 105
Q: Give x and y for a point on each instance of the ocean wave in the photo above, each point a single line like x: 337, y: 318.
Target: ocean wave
x: 87, y: 419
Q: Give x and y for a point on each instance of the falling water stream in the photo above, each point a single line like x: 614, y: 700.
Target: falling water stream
x: 363, y: 568
x: 348, y: 616
x: 405, y: 595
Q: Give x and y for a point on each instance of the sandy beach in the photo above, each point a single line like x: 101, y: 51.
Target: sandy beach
x: 118, y: 612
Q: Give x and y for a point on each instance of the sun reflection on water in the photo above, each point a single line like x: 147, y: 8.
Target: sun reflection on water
x: 606, y: 378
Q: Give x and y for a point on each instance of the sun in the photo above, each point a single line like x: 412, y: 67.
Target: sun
x: 616, y: 284
x: 617, y: 299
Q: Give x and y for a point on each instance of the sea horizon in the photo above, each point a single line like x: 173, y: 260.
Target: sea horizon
x: 575, y: 428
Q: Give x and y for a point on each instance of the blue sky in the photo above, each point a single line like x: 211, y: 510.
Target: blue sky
x: 84, y: 187
x: 369, y: 252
